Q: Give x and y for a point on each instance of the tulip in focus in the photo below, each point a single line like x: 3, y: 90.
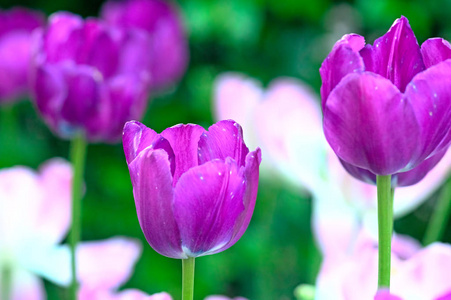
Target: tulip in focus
x: 86, y: 77
x: 387, y: 106
x: 16, y: 26
x: 167, y: 57
x: 194, y: 190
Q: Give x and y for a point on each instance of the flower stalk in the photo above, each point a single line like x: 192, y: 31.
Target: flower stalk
x: 188, y: 278
x: 77, y: 156
x: 5, y: 284
x: 385, y: 225
x: 440, y: 216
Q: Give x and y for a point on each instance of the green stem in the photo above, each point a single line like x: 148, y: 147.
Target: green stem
x: 440, y: 216
x: 77, y: 156
x: 188, y: 278
x: 5, y: 284
x: 385, y: 222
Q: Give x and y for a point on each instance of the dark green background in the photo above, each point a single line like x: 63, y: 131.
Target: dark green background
x: 264, y: 39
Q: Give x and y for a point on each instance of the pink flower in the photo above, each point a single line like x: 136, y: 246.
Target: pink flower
x: 34, y: 218
x: 416, y: 273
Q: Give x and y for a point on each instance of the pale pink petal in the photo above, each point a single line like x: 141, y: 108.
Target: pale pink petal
x: 20, y: 199
x: 288, y: 126
x: 26, y: 286
x: 425, y: 275
x: 408, y: 198
x: 54, y: 216
x: 107, y: 264
x: 50, y: 262
x: 236, y: 97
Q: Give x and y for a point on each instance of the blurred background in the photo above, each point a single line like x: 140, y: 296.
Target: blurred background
x: 264, y: 39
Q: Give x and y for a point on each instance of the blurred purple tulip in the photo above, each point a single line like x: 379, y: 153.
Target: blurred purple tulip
x: 168, y: 54
x: 194, y: 190
x: 89, y: 77
x: 387, y: 107
x: 16, y: 26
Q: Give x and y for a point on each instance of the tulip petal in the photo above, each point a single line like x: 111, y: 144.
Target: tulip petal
x: 435, y: 50
x: 184, y: 141
x: 135, y: 138
x: 251, y: 175
x: 63, y: 39
x: 395, y: 55
x: 54, y: 213
x: 429, y: 94
x: 419, y: 172
x: 82, y: 101
x: 223, y: 139
x: 207, y: 205
x: 15, y: 54
x: 425, y: 275
x: 374, y: 105
x: 289, y: 125
x: 408, y: 198
x: 49, y: 90
x: 125, y: 98
x: 99, y: 50
x: 342, y: 60
x: 26, y: 286
x: 385, y: 295
x: 152, y: 188
x: 236, y: 97
x: 106, y: 264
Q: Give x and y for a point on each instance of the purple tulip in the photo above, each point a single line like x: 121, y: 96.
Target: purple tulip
x: 387, y: 106
x: 88, y: 77
x: 16, y: 26
x: 194, y: 190
x: 168, y: 56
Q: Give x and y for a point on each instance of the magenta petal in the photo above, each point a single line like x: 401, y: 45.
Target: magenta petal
x: 15, y: 53
x: 184, y: 141
x: 251, y: 175
x: 49, y: 89
x: 100, y: 50
x: 430, y: 96
x: 83, y: 93
x: 435, y: 50
x: 152, y: 188
x: 446, y: 296
x: 136, y: 137
x: 207, y: 205
x: 374, y: 106
x: 385, y: 295
x: 124, y: 98
x: 63, y: 38
x: 395, y: 55
x: 343, y: 59
x: 419, y: 172
x: 223, y: 139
